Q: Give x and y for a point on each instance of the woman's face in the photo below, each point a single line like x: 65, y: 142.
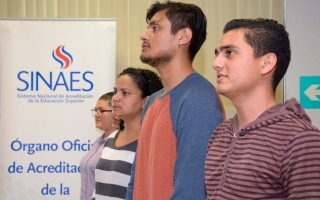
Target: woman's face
x: 127, y: 100
x: 103, y: 115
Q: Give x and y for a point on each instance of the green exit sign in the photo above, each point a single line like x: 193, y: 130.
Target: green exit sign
x: 310, y: 92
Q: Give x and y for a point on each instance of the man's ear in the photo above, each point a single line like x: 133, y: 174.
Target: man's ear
x: 185, y: 36
x: 269, y: 62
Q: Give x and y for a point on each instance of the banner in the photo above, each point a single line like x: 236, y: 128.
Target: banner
x: 51, y: 74
x: 302, y: 80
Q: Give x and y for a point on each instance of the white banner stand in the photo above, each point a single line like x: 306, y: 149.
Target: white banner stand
x: 51, y: 74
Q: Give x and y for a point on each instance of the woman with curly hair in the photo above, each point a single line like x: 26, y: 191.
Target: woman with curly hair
x: 132, y: 89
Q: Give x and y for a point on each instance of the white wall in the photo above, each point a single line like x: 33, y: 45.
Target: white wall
x: 302, y: 23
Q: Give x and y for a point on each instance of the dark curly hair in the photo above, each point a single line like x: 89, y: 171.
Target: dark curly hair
x: 147, y: 81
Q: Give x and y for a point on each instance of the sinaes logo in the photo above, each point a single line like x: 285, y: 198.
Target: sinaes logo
x: 62, y: 56
x: 57, y: 79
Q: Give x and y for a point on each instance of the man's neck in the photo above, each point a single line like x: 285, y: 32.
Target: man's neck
x: 173, y: 74
x: 249, y: 108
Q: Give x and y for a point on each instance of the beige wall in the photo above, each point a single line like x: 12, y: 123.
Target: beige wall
x: 130, y: 16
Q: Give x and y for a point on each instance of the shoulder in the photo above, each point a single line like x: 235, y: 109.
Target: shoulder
x: 113, y: 134
x: 196, y: 82
x: 194, y: 88
x: 290, y: 128
x: 150, y: 101
x: 98, y: 139
x: 304, y: 139
x: 153, y: 97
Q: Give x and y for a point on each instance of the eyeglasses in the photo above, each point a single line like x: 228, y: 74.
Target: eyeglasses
x: 98, y: 112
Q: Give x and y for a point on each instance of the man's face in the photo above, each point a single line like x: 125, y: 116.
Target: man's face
x: 238, y: 72
x: 158, y: 44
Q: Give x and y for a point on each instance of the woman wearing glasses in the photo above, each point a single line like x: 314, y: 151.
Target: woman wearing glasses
x: 108, y: 124
x: 133, y: 87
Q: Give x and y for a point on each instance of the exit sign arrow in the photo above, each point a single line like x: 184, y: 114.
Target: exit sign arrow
x: 312, y: 91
